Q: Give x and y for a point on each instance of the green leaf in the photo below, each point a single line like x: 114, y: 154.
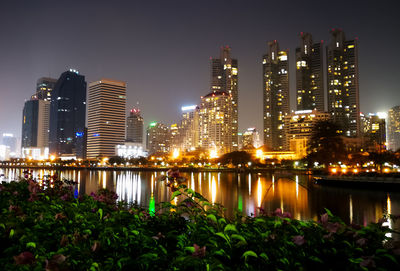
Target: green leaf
x: 12, y: 232
x: 264, y: 256
x: 175, y: 194
x: 230, y: 227
x: 3, y: 226
x: 135, y: 232
x: 212, y: 217
x: 238, y: 237
x: 328, y: 212
x: 393, y: 259
x: 30, y: 244
x: 356, y: 260
x: 249, y: 253
x: 189, y: 249
x: 220, y: 234
x: 315, y: 259
x: 100, y: 212
x: 221, y: 220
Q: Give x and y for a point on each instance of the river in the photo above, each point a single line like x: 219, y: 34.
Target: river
x: 246, y: 192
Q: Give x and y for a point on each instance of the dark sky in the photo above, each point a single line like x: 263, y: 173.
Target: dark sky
x: 162, y: 48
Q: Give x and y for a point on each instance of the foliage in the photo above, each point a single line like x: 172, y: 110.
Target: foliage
x: 326, y: 145
x: 43, y: 226
x: 235, y: 158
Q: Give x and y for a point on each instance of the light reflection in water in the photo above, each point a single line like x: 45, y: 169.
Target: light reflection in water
x: 350, y: 209
x: 259, y: 192
x: 214, y: 190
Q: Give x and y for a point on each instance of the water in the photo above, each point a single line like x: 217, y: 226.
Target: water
x: 244, y: 192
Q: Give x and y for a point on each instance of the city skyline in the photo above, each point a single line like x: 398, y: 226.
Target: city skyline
x: 36, y: 59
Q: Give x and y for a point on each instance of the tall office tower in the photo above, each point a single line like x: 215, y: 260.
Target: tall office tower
x: 158, y: 136
x: 134, y: 126
x: 190, y: 127
x: 342, y: 76
x: 44, y: 87
x: 67, y: 115
x: 224, y: 77
x: 106, y: 117
x: 276, y: 95
x: 309, y: 74
x: 373, y: 131
x: 250, y: 138
x: 35, y: 124
x: 393, y: 128
x: 215, y: 121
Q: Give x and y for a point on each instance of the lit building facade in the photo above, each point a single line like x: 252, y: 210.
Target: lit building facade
x: 130, y: 150
x: 134, y: 127
x: 342, y: 82
x: 68, y: 115
x: 215, y: 122
x: 373, y: 131
x: 250, y: 138
x: 10, y: 141
x: 106, y: 117
x: 158, y: 138
x: 393, y: 128
x: 224, y: 78
x: 309, y: 74
x: 190, y: 127
x: 299, y: 129
x: 275, y: 95
x: 44, y: 87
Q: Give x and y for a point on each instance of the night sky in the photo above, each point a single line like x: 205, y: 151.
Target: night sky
x: 162, y: 48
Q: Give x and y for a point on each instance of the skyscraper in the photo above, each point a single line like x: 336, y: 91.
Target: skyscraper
x: 106, y: 117
x: 134, y: 126
x: 44, y: 87
x: 342, y: 77
x: 309, y: 74
x: 67, y: 115
x: 35, y: 124
x: 393, y: 128
x: 275, y: 95
x: 215, y: 119
x: 190, y: 127
x: 224, y: 77
x: 10, y: 141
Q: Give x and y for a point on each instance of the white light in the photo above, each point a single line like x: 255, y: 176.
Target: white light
x: 381, y: 115
x: 189, y: 107
x: 303, y: 111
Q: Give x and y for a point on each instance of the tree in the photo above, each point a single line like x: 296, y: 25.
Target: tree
x: 326, y: 144
x: 235, y: 158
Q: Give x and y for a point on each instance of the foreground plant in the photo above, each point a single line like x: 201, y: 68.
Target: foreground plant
x: 45, y: 226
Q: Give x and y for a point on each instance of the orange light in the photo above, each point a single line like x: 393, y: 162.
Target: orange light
x: 344, y: 170
x: 355, y: 170
x: 386, y: 170
x: 333, y: 170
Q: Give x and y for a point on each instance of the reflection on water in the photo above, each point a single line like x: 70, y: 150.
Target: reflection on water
x: 247, y: 193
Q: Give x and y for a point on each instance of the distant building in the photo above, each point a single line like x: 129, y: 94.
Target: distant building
x: 44, y: 87
x: 68, y: 115
x: 215, y: 122
x: 373, y: 131
x: 299, y: 129
x: 134, y: 127
x: 130, y: 150
x: 190, y: 127
x: 106, y: 117
x: 393, y: 128
x: 35, y: 124
x: 4, y: 153
x: 11, y: 141
x: 158, y: 137
x: 275, y: 95
x: 342, y: 79
x: 250, y: 138
x: 309, y: 74
x: 224, y: 78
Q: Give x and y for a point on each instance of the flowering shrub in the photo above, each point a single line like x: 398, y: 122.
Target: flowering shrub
x: 43, y: 226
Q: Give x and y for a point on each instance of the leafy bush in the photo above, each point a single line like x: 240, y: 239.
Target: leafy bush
x: 44, y: 226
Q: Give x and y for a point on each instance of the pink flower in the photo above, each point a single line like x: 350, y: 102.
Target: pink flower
x: 24, y: 258
x: 298, y: 240
x: 324, y: 218
x: 332, y: 227
x: 199, y: 252
x: 278, y: 212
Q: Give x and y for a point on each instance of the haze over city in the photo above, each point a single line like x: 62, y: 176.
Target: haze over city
x: 162, y: 49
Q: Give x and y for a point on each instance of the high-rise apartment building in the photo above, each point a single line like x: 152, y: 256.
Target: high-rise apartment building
x: 158, y: 137
x: 68, y: 115
x: 44, y: 87
x: 134, y: 126
x: 393, y: 128
x: 309, y: 74
x: 373, y: 131
x: 250, y: 138
x: 275, y: 95
x: 342, y: 79
x: 215, y: 122
x: 224, y: 77
x: 106, y: 117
